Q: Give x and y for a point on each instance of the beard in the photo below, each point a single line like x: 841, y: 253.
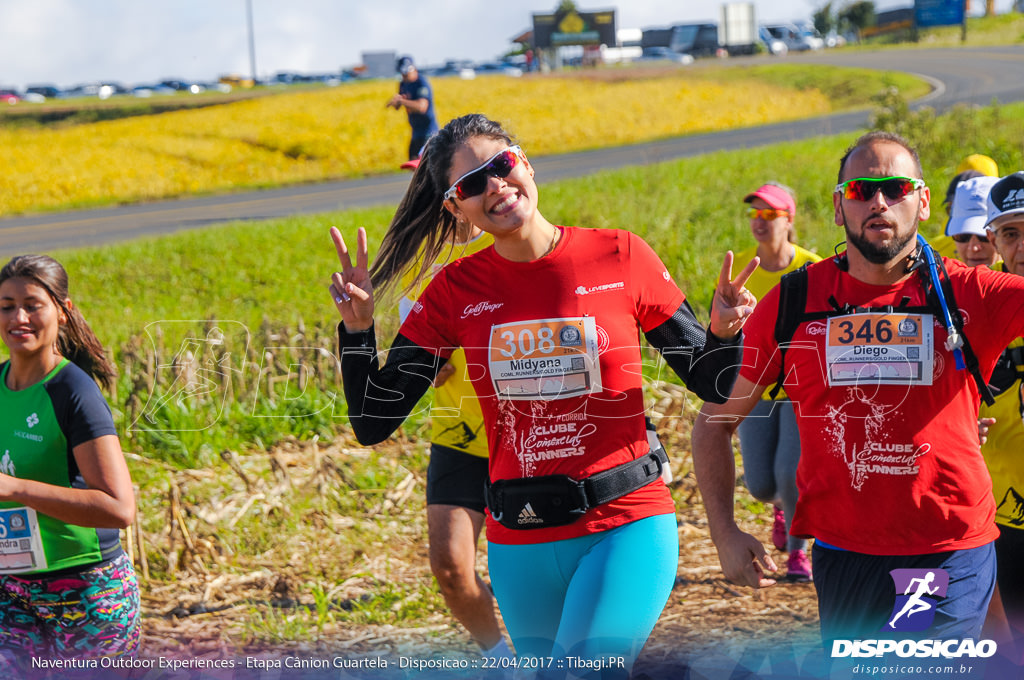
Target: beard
x: 879, y: 253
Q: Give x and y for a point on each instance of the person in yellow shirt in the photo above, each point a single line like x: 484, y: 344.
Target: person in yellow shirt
x: 457, y: 472
x: 1003, y: 443
x: 973, y: 165
x: 769, y: 440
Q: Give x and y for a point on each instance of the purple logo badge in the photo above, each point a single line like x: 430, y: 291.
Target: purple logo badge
x: 917, y: 591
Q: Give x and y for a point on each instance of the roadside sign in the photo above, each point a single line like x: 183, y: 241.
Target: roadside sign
x: 938, y: 12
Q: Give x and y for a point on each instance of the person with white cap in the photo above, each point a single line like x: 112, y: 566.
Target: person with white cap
x: 973, y: 165
x: 1002, y: 424
x: 769, y: 440
x: 417, y: 98
x: 967, y: 223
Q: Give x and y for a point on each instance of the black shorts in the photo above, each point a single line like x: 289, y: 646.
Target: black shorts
x: 456, y: 478
x: 416, y: 145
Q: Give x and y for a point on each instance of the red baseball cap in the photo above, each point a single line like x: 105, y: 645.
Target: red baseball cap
x: 775, y: 196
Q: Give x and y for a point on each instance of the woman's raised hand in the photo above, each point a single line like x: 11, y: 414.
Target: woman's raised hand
x: 351, y: 288
x: 733, y: 304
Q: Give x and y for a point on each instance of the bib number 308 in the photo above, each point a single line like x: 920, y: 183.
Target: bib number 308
x: 526, y: 342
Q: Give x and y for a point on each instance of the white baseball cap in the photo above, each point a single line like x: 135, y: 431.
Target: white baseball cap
x: 970, y: 207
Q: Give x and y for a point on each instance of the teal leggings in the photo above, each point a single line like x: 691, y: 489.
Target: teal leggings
x: 586, y: 602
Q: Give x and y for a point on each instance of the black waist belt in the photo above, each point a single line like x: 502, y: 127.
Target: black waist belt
x: 555, y: 500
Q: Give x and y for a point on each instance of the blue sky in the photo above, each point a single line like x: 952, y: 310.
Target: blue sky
x: 136, y: 41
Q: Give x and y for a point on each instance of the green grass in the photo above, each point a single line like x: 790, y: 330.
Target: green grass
x: 1002, y: 29
x: 263, y: 284
x: 846, y: 87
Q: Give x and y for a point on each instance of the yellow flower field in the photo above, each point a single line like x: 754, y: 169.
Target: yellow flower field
x: 346, y: 131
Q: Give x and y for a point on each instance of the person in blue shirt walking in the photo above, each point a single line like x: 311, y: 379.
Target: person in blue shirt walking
x: 417, y: 98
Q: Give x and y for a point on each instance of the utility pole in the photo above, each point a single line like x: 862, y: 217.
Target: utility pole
x: 252, y: 42
x: 963, y: 25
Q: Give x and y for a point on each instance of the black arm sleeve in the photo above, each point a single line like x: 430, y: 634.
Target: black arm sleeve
x: 707, y: 365
x: 379, y: 399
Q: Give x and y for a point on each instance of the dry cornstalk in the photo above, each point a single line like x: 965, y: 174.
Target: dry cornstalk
x: 172, y: 536
x: 140, y: 542
x: 232, y: 460
x: 245, y: 508
x: 279, y: 470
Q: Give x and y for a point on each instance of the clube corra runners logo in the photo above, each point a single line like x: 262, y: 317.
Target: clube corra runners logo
x: 918, y: 593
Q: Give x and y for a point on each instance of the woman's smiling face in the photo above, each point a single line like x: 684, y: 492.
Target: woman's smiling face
x: 29, y: 318
x: 505, y: 204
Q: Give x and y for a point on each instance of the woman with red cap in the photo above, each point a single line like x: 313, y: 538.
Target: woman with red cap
x: 769, y: 440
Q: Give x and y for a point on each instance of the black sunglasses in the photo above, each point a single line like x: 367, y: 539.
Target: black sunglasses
x: 865, y: 188
x: 474, y: 182
x: 966, y: 238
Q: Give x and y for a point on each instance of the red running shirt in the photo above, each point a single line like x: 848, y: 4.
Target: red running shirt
x: 552, y: 348
x: 889, y: 469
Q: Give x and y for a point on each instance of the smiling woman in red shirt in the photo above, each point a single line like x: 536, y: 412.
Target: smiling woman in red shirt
x: 549, y: 318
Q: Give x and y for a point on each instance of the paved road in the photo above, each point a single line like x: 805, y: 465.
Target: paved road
x: 967, y: 75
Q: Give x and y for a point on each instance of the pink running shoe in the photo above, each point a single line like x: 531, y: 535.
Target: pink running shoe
x: 779, y: 529
x: 798, y: 567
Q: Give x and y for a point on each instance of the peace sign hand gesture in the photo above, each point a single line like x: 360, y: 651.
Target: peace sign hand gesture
x: 732, y: 304
x: 351, y: 288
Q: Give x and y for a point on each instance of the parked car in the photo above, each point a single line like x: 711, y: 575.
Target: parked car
x: 498, y: 67
x: 834, y: 39
x: 810, y: 35
x: 152, y: 90
x: 775, y: 46
x: 790, y: 35
x: 665, y: 54
x: 461, y: 69
x: 108, y: 90
x: 698, y: 40
x: 44, y: 91
x: 8, y: 96
x: 217, y: 86
x: 84, y: 90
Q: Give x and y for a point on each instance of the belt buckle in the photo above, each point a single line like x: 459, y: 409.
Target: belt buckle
x: 579, y: 490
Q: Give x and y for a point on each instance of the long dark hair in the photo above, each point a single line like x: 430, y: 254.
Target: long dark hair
x: 75, y: 340
x: 422, y: 224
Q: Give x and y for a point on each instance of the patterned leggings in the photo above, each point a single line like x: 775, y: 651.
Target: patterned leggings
x: 89, y: 614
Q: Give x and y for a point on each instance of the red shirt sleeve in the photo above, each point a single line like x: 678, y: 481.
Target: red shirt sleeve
x: 429, y: 324
x: 760, y: 352
x: 1002, y: 298
x: 657, y: 295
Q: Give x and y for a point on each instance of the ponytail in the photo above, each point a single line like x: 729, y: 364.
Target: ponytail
x: 75, y: 339
x: 422, y: 226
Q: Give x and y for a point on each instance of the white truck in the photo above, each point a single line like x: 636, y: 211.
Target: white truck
x: 737, y: 31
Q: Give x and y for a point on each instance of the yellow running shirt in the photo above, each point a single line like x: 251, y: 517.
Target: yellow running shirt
x: 456, y: 419
x: 762, y: 280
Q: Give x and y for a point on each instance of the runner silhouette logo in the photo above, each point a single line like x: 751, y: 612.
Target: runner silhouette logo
x: 917, y: 594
